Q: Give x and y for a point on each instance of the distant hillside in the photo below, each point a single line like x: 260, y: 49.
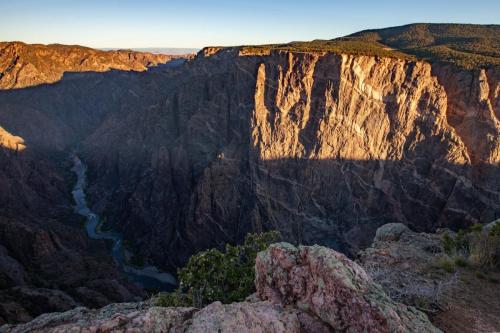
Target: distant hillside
x: 466, y: 45
x: 342, y: 45
x: 24, y: 65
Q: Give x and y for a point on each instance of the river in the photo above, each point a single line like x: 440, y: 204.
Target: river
x: 149, y: 277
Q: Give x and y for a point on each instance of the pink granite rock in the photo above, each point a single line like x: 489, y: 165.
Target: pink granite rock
x: 328, y: 285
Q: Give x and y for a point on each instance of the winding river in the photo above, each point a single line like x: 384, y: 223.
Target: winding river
x: 149, y: 277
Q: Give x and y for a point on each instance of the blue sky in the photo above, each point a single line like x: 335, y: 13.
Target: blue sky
x: 197, y: 23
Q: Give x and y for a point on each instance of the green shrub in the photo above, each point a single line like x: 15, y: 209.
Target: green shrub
x: 476, y: 227
x: 446, y: 265
x: 495, y: 229
x: 448, y: 244
x: 175, y: 298
x: 475, y: 246
x: 213, y: 275
x: 461, y: 262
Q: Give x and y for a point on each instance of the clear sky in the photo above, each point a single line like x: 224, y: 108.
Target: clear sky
x: 197, y: 23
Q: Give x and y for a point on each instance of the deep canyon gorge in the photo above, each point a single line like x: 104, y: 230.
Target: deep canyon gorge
x: 185, y: 154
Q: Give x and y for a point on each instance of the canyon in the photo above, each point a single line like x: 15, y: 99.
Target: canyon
x: 196, y: 152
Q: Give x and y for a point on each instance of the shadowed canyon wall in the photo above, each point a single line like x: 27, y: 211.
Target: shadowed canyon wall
x: 47, y: 262
x: 323, y: 147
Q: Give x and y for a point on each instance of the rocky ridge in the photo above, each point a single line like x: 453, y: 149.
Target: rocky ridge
x: 23, y: 65
x: 304, y: 289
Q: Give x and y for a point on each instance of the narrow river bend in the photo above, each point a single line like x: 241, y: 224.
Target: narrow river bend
x: 149, y: 277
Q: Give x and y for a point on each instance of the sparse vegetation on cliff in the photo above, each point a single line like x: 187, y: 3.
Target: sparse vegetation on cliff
x: 352, y: 46
x: 478, y: 246
x: 467, y: 46
x: 213, y: 275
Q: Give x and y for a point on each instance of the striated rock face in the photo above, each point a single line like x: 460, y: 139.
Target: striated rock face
x: 473, y: 109
x: 324, y: 147
x: 23, y: 65
x: 305, y: 289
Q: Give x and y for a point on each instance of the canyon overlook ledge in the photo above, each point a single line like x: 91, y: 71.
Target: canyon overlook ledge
x: 305, y: 289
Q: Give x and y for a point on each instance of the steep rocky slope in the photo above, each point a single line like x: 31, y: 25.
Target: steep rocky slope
x: 324, y: 147
x: 305, y: 289
x: 47, y: 263
x: 23, y: 65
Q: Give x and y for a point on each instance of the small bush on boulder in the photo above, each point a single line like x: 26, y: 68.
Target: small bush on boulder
x: 213, y: 275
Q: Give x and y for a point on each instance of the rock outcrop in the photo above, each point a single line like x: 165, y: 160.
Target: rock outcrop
x: 401, y: 261
x: 13, y: 142
x: 305, y: 289
x: 411, y: 269
x: 23, y: 65
x: 333, y: 288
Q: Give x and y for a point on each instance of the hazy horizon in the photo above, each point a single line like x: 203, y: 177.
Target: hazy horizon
x: 158, y: 50
x: 172, y: 24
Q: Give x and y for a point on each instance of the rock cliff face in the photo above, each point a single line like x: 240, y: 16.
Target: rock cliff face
x: 23, y: 65
x: 305, y: 289
x: 324, y: 147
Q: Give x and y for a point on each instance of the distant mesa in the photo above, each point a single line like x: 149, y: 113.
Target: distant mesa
x: 26, y: 65
x: 160, y: 50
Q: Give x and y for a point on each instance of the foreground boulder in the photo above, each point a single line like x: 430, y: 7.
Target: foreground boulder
x: 306, y: 289
x: 335, y: 289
